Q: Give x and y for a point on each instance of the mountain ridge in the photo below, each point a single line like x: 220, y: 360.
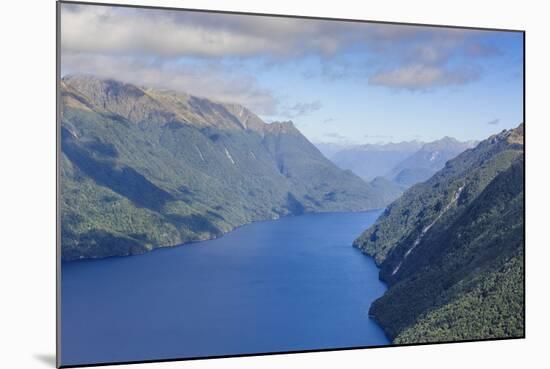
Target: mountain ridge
x: 444, y: 244
x: 405, y: 163
x: 142, y: 169
x: 431, y: 157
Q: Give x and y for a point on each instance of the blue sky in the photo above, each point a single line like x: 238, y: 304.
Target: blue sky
x: 343, y: 82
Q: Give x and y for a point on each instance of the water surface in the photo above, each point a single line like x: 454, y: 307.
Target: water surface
x: 291, y: 284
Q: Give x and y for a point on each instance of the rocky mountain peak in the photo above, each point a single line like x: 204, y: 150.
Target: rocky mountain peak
x: 158, y: 106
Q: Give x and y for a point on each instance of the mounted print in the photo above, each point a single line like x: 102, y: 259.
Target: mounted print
x: 242, y: 184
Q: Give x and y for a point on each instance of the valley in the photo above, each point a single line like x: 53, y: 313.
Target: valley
x: 144, y: 168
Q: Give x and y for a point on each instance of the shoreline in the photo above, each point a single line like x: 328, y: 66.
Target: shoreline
x: 363, y: 253
x: 219, y: 236
x: 303, y: 238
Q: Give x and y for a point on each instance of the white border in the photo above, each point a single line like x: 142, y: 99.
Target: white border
x: 27, y: 154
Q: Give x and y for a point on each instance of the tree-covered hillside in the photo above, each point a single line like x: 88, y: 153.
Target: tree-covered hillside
x: 144, y: 168
x: 451, y: 249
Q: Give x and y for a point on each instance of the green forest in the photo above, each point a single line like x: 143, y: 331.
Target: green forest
x: 451, y: 249
x: 142, y: 168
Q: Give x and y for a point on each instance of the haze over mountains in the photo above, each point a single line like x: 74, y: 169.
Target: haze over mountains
x: 404, y: 163
x: 144, y: 168
x: 451, y: 249
x: 371, y: 160
x: 431, y: 157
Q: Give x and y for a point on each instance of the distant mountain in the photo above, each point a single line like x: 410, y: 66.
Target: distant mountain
x: 144, y: 168
x: 405, y: 163
x: 371, y: 160
x: 431, y: 157
x: 451, y: 249
x: 328, y: 149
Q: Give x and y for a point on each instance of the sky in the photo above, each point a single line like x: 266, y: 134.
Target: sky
x: 339, y: 82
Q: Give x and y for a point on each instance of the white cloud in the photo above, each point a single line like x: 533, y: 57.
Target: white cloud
x: 207, y: 80
x: 168, y: 33
x: 147, y: 46
x: 423, y: 77
x: 102, y: 30
x: 115, y: 31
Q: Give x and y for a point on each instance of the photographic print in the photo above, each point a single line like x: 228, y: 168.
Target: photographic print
x: 243, y: 184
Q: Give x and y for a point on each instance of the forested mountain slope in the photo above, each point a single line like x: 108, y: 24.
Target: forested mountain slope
x: 451, y: 249
x: 144, y: 168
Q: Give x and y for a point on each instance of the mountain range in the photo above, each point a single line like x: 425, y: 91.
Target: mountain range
x: 144, y: 168
x: 404, y: 163
x: 451, y: 249
x: 430, y: 158
x: 370, y: 160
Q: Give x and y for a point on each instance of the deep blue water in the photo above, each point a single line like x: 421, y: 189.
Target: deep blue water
x: 291, y: 284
